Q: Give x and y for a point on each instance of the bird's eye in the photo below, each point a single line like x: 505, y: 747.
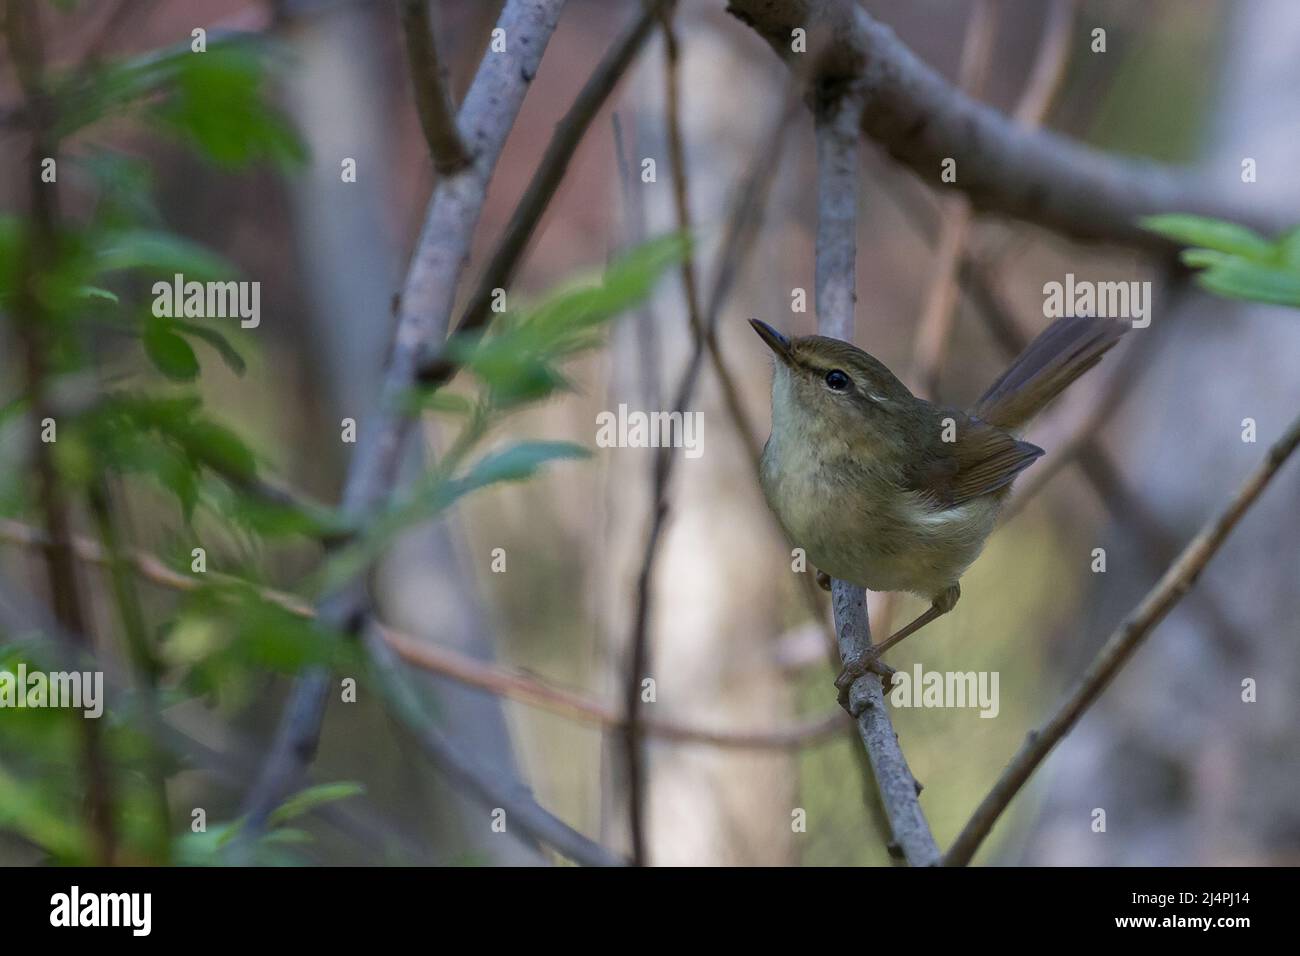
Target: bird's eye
x: 837, y: 381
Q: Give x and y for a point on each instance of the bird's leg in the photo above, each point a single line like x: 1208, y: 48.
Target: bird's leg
x: 852, y: 670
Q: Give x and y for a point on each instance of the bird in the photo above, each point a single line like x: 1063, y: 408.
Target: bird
x: 888, y: 491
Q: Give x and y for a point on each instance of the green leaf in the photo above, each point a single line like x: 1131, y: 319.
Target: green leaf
x: 1244, y: 279
x: 217, y: 105
x: 307, y: 800
x: 215, y: 100
x: 94, y: 292
x: 220, y: 449
x: 518, y: 362
x: 170, y: 353
x: 438, y: 400
x: 1288, y: 248
x: 234, y: 361
x: 514, y: 463
x: 1210, y: 234
x: 160, y: 253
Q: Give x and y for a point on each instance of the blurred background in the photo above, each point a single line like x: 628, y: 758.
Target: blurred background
x: 1186, y: 771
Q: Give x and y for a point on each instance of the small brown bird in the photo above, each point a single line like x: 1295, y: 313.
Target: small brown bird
x: 887, y: 491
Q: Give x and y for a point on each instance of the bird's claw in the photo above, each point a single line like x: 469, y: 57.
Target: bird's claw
x: 854, y: 669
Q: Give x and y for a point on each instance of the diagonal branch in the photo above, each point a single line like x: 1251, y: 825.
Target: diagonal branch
x: 463, y: 770
x: 1169, y: 590
x: 439, y: 659
x: 428, y: 80
x: 938, y: 318
x: 837, y: 202
x: 486, y: 116
x: 546, y: 180
x: 1002, y: 166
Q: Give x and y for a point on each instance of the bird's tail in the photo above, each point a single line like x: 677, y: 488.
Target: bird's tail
x: 1061, y: 353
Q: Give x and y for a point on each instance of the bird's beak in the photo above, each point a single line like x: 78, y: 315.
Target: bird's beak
x: 777, y: 342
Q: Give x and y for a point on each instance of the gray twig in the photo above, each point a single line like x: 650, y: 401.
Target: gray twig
x: 432, y: 101
x: 439, y: 367
x: 517, y: 802
x: 485, y: 118
x: 836, y: 119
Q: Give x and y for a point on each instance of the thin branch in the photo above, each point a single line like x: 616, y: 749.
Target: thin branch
x: 899, y: 790
x: 836, y: 119
x: 529, y: 690
x: 639, y: 644
x: 429, y: 82
x: 438, y: 367
x: 486, y: 116
x: 938, y: 318
x: 445, y: 661
x: 520, y: 807
x: 1121, y: 644
x: 649, y: 354
x: 33, y: 328
x: 1048, y: 71
x: 1036, y: 175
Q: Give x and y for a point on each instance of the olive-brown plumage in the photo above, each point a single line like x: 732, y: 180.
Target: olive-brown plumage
x: 887, y: 491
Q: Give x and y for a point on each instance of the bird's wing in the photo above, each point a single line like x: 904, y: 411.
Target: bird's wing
x: 981, y: 459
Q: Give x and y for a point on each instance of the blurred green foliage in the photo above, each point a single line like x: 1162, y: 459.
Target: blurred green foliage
x: 81, y: 282
x: 1234, y: 262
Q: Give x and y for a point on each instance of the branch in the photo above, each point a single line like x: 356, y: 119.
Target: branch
x: 939, y: 315
x: 424, y: 312
x: 639, y: 657
x: 445, y: 661
x: 1121, y: 644
x: 899, y: 790
x: 432, y: 101
x: 1003, y: 167
x: 837, y: 202
x: 541, y: 189
x: 520, y: 807
x: 33, y: 327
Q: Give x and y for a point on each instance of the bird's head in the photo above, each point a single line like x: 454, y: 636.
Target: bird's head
x: 830, y: 386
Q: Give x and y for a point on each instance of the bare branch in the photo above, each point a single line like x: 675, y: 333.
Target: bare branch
x: 569, y: 132
x: 32, y: 326
x: 638, y: 662
x: 836, y: 119
x: 939, y: 315
x: 1049, y: 65
x: 899, y: 790
x: 527, y: 689
x: 428, y: 81
x: 485, y: 119
x: 444, y: 661
x: 521, y: 809
x: 1121, y: 644
x: 1003, y: 167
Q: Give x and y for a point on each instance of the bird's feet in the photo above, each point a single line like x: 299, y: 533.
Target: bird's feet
x: 823, y: 580
x: 852, y: 670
